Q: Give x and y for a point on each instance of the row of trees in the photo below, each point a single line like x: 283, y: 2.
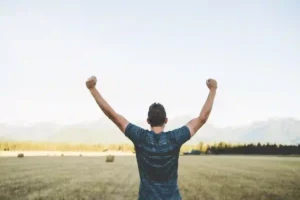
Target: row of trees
x: 265, y: 149
x: 216, y: 148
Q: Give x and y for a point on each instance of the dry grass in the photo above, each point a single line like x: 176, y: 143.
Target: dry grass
x: 200, y: 177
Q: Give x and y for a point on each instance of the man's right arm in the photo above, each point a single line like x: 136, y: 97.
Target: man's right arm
x: 195, y: 124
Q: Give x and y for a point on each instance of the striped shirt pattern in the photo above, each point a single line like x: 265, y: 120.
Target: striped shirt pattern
x: 157, y: 158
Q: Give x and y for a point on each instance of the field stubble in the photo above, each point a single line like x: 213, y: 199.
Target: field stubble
x: 200, y: 177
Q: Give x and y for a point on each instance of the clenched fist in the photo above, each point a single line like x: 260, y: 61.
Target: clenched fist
x: 212, y: 84
x: 91, y: 82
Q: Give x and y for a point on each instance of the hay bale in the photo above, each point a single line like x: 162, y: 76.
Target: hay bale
x: 62, y: 154
x: 110, y: 158
x: 20, y: 155
x: 80, y: 155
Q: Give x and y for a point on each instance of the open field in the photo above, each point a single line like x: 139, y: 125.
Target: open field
x: 200, y: 177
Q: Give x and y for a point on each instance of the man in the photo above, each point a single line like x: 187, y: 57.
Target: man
x: 157, y: 151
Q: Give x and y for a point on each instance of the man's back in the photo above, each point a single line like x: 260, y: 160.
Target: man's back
x: 157, y: 153
x: 157, y: 157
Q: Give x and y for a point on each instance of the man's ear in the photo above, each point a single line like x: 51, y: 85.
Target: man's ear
x: 166, y: 120
x: 148, y: 121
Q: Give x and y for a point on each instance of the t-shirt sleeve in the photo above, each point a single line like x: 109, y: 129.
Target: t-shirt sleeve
x: 181, y: 135
x: 134, y: 133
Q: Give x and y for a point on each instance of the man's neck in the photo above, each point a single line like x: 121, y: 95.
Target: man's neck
x: 157, y: 129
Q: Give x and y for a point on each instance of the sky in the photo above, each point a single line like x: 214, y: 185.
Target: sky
x: 145, y: 52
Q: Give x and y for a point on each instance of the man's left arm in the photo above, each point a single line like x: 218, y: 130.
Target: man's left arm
x: 118, y: 119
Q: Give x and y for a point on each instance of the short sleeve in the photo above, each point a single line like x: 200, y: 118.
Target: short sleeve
x: 134, y: 133
x: 181, y: 135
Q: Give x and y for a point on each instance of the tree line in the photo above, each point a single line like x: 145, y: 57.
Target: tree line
x: 201, y: 148
x: 261, y: 149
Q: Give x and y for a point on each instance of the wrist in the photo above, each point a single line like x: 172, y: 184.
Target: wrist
x: 213, y: 89
x: 93, y: 89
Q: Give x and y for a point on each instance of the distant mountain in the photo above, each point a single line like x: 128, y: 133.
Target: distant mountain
x: 2, y: 138
x: 101, y: 131
x: 283, y: 131
x: 296, y: 141
x: 38, y: 132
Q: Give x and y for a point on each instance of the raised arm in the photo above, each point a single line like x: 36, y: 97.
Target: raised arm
x: 118, y: 119
x: 195, y: 124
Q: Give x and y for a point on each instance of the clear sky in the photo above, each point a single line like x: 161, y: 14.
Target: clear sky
x: 149, y: 51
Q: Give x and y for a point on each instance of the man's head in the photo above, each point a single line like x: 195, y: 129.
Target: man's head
x: 157, y: 115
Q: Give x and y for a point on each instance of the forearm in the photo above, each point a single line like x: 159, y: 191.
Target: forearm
x: 207, y: 107
x: 119, y: 120
x: 105, y: 107
x: 195, y: 124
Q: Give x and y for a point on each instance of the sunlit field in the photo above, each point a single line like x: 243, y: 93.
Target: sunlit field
x: 200, y: 177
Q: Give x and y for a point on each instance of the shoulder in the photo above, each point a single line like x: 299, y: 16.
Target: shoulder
x: 134, y: 132
x: 181, y: 130
x: 180, y: 135
x: 134, y: 128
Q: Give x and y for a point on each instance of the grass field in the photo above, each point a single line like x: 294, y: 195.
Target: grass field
x: 200, y: 177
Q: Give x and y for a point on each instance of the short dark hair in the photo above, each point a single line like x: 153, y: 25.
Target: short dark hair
x: 156, y: 115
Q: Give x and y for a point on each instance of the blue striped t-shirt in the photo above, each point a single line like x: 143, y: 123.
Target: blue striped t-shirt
x: 157, y: 158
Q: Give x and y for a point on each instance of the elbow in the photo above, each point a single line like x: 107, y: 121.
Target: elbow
x: 203, y: 119
x: 111, y: 115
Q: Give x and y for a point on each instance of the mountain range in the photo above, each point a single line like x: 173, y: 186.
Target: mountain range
x: 103, y: 131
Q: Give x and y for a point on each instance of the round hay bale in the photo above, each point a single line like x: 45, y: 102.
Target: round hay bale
x: 62, y: 154
x: 20, y: 155
x: 110, y: 158
x: 80, y: 155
